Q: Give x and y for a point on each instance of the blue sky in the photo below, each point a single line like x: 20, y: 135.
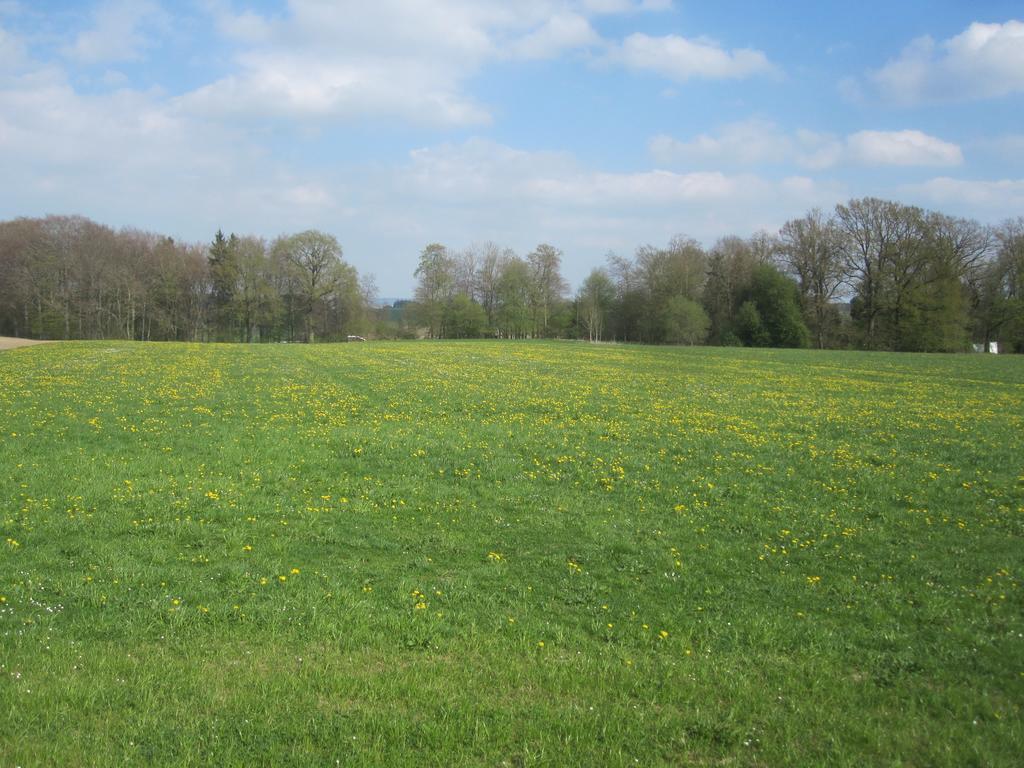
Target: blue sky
x: 594, y: 125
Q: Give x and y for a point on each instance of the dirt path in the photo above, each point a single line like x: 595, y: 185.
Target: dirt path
x: 8, y: 342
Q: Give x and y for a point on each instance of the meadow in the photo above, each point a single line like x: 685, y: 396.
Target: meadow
x: 518, y: 554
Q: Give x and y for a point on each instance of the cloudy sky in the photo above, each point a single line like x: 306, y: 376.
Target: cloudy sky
x: 594, y: 125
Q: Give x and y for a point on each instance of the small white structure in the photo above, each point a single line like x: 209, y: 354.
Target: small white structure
x: 993, y: 347
x: 978, y: 347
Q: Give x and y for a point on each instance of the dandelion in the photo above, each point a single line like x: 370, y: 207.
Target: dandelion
x: 663, y: 634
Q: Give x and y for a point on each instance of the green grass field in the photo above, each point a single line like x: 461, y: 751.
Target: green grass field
x: 509, y: 554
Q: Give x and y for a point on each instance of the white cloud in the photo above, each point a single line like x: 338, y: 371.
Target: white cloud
x: 817, y: 151
x: 323, y: 60
x: 399, y: 58
x: 625, y: 6
x: 902, y: 148
x: 681, y: 59
x: 12, y: 52
x: 761, y: 142
x: 749, y: 142
x: 559, y: 33
x: 983, y: 61
x: 121, y: 31
x: 1007, y: 149
x: 1002, y: 196
x: 247, y: 26
x: 304, y: 85
x: 480, y: 170
x: 314, y: 195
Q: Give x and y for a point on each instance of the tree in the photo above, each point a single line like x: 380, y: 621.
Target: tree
x: 435, y: 286
x: 776, y: 300
x: 730, y: 269
x: 223, y: 264
x: 489, y: 264
x: 68, y: 277
x: 868, y: 235
x: 686, y: 322
x: 547, y: 286
x: 748, y: 326
x: 314, y: 261
x: 464, y: 318
x: 252, y: 297
x: 514, y: 291
x: 628, y: 309
x: 1001, y: 310
x: 664, y: 273
x: 809, y: 250
x: 939, y: 312
x: 594, y: 301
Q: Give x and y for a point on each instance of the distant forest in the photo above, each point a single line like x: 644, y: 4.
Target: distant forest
x: 872, y: 274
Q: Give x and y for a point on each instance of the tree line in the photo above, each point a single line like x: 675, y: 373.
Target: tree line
x: 872, y: 274
x: 66, y: 277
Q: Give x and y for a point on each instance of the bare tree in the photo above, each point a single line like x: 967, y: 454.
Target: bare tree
x: 547, y: 286
x: 809, y: 251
